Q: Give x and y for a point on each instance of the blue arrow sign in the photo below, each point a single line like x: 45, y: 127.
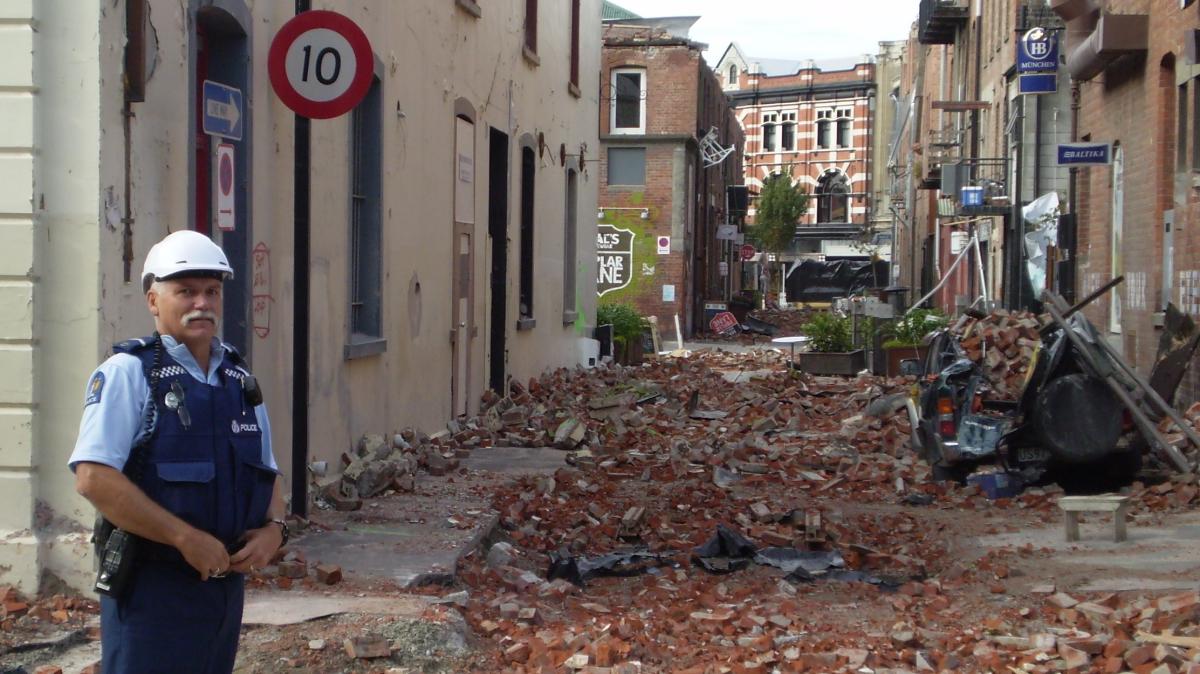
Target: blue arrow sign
x: 1084, y: 154
x: 222, y: 110
x: 1037, y: 83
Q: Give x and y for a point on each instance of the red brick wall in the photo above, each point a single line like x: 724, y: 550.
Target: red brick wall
x: 684, y: 99
x: 1134, y: 103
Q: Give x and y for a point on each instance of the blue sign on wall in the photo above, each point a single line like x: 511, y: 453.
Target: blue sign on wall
x: 1037, y: 52
x: 1037, y: 83
x: 1084, y: 154
x: 222, y: 110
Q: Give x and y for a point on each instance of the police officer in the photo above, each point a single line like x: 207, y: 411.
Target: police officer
x: 174, y: 449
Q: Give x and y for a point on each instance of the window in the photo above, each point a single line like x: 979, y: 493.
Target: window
x: 833, y: 198
x: 570, y: 226
x: 1181, y: 128
x: 628, y: 100
x: 1117, y: 234
x: 789, y: 131
x: 824, y: 128
x: 733, y: 76
x: 575, y: 46
x: 528, y: 164
x: 626, y: 166
x: 531, y: 27
x: 844, y: 124
x: 1195, y: 125
x: 768, y: 128
x: 365, y: 230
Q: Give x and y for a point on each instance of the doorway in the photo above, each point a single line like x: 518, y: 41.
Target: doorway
x: 463, y: 263
x: 222, y: 55
x: 498, y: 234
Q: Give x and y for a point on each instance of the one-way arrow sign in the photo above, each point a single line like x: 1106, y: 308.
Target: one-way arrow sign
x: 222, y: 110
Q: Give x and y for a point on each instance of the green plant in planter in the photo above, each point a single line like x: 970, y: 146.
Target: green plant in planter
x: 912, y: 328
x: 829, y: 332
x: 627, y: 323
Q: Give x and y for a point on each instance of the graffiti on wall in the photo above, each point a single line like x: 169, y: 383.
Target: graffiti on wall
x: 260, y: 293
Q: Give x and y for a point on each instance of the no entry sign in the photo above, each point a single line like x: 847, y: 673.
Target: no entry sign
x: 320, y: 64
x: 226, y: 219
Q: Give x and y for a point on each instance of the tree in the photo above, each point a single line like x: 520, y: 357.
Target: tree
x: 781, y: 204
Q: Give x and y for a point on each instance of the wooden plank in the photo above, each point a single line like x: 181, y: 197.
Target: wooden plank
x: 1169, y: 639
x: 961, y: 106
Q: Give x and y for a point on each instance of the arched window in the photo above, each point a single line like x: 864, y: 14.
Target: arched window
x: 733, y: 76
x: 833, y: 197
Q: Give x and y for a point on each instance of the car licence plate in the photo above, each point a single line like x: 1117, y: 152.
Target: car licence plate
x: 1032, y: 455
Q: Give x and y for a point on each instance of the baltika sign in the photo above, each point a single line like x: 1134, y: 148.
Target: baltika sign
x: 614, y: 258
x: 1084, y: 154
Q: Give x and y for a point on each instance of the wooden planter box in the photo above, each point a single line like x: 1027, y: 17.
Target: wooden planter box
x: 845, y: 363
x: 893, y: 355
x: 628, y: 353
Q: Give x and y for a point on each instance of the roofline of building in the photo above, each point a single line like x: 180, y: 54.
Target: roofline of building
x: 741, y: 95
x: 657, y: 42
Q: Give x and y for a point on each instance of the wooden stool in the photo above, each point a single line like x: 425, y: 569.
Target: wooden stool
x: 1105, y: 503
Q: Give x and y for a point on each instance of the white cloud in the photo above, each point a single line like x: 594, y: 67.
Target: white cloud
x: 796, y: 29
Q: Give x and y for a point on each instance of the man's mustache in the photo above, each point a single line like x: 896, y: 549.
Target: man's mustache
x: 198, y: 315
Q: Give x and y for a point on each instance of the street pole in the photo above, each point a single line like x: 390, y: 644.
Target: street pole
x: 301, y: 228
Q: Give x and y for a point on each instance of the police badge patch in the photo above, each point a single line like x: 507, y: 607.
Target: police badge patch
x: 95, y: 387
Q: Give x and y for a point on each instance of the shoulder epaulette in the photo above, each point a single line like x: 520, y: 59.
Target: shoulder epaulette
x: 134, y: 345
x: 233, y: 354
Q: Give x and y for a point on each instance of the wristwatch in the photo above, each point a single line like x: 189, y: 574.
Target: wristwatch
x: 283, y: 529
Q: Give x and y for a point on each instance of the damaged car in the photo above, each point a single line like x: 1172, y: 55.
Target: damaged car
x: 1066, y: 420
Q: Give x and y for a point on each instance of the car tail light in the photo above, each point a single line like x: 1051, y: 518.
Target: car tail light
x: 945, y: 410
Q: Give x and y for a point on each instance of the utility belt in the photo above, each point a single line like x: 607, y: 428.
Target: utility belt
x: 120, y: 553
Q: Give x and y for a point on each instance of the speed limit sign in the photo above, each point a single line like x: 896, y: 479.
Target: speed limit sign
x: 320, y: 64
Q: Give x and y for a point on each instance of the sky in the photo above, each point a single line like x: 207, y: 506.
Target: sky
x: 789, y: 29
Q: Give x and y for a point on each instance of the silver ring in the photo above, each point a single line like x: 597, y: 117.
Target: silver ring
x: 216, y: 574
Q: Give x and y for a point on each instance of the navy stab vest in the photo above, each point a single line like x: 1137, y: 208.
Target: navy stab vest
x: 211, y: 473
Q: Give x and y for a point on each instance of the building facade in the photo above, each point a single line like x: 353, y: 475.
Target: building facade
x: 670, y: 149
x: 813, y: 122
x: 451, y: 238
x: 978, y: 151
x: 889, y: 69
x: 1136, y: 65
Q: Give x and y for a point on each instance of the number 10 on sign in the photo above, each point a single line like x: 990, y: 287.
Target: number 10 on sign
x: 321, y: 64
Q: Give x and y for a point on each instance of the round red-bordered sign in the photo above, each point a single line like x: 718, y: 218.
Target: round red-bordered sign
x: 320, y: 64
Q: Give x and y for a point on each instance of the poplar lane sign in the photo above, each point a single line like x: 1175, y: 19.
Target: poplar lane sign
x: 614, y: 258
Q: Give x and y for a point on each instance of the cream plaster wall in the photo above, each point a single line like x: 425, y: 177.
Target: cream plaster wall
x: 18, y: 466
x: 68, y: 253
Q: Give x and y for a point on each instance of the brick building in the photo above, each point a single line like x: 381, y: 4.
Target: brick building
x: 813, y: 121
x: 662, y: 191
x: 968, y: 130
x: 1136, y: 68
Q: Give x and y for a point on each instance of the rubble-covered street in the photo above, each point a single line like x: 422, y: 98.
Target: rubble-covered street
x: 712, y: 512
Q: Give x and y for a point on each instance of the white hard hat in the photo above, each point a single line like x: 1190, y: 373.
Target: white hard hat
x: 184, y: 253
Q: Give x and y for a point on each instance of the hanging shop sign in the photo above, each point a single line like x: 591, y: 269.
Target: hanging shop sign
x: 1084, y: 154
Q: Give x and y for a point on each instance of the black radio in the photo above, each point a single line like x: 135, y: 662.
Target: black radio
x: 117, y: 551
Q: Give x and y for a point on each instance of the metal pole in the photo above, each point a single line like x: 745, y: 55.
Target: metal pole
x: 300, y: 308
